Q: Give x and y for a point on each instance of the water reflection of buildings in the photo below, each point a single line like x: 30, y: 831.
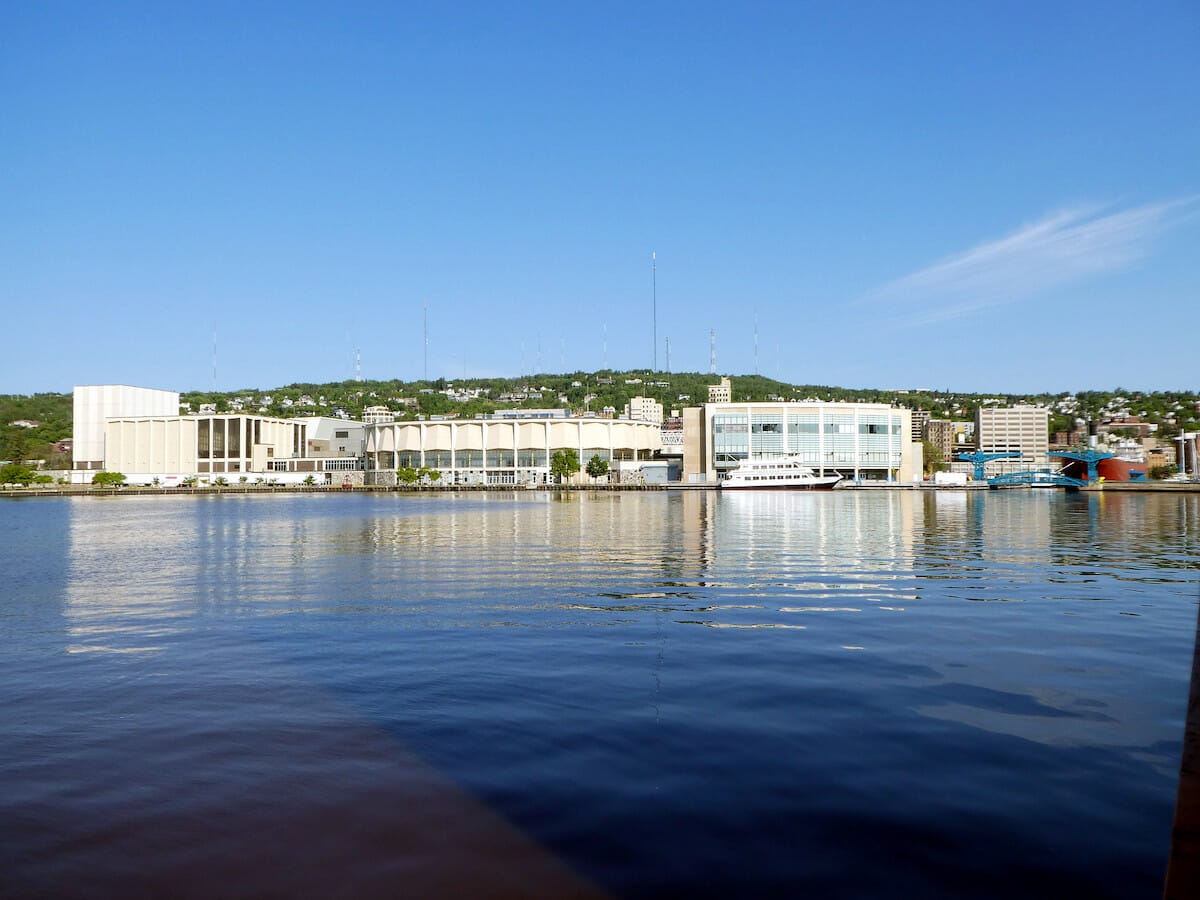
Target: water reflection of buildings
x: 801, y: 551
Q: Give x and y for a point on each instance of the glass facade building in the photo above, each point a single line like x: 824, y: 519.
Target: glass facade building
x: 862, y: 441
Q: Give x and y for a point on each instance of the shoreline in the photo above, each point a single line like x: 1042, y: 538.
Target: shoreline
x: 14, y: 492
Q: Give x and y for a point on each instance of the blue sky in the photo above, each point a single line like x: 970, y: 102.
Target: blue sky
x: 973, y: 196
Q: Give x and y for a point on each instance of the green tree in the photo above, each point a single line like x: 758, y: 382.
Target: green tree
x: 564, y: 464
x: 934, y: 460
x: 14, y: 473
x: 597, y: 467
x: 108, y: 479
x: 407, y: 475
x: 309, y: 480
x: 15, y: 444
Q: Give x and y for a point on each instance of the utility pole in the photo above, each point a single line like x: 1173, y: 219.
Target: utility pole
x: 654, y: 288
x: 756, y: 342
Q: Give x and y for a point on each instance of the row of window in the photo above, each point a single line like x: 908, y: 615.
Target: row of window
x: 725, y: 427
x: 828, y: 458
x: 492, y: 459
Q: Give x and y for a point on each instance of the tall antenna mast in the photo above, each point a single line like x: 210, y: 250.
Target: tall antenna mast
x: 425, y: 331
x: 668, y: 354
x: 756, y: 342
x: 214, y: 356
x: 712, y: 351
x: 357, y: 364
x: 605, y: 339
x: 562, y: 353
x: 654, y: 288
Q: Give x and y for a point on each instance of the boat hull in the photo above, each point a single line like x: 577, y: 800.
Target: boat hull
x: 1113, y: 469
x: 816, y: 484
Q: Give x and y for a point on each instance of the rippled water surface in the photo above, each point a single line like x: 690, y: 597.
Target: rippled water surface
x: 844, y: 694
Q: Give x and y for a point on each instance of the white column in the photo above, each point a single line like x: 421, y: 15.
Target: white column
x: 821, y: 436
x: 857, y: 453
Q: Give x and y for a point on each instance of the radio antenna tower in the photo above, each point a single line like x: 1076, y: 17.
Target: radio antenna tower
x: 425, y: 332
x: 214, y: 357
x: 357, y: 364
x: 605, y: 345
x: 712, y: 351
x: 756, y: 342
x: 654, y: 288
x: 668, y: 354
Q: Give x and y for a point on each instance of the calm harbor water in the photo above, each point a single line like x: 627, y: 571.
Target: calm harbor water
x: 843, y: 694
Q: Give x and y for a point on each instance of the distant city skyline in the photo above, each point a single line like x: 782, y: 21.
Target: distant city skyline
x: 980, y: 198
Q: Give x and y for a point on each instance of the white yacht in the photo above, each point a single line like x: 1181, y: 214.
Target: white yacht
x: 779, y: 473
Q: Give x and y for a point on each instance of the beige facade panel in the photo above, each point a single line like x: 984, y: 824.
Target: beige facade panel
x: 187, y: 445
x: 499, y: 434
x: 597, y: 434
x: 165, y: 446
x: 564, y: 434
x: 468, y: 436
x: 407, y: 439
x: 439, y: 437
x: 531, y: 435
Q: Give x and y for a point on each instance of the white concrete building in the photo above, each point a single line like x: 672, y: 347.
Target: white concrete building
x: 644, y: 409
x: 170, y: 448
x: 94, y: 404
x: 506, y: 451
x: 374, y: 415
x: 720, y: 393
x: 1014, y: 429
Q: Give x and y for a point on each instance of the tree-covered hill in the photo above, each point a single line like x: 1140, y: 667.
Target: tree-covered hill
x: 579, y: 391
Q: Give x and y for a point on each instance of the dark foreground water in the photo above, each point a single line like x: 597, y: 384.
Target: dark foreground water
x: 828, y: 695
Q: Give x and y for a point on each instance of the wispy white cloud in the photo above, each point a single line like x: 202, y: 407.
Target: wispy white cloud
x: 1061, y: 248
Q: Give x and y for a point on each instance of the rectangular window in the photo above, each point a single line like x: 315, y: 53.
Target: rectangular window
x: 530, y: 458
x: 341, y: 434
x: 499, y: 459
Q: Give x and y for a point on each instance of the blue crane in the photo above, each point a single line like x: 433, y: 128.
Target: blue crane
x: 1086, y: 456
x: 980, y: 459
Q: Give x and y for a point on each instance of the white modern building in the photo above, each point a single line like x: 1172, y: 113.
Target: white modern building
x: 139, y: 433
x: 94, y: 404
x: 721, y: 393
x: 644, y: 409
x: 168, y: 448
x: 860, y: 441
x: 510, y: 450
x: 375, y: 414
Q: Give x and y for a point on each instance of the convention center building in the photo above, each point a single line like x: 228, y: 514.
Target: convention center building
x: 509, y: 450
